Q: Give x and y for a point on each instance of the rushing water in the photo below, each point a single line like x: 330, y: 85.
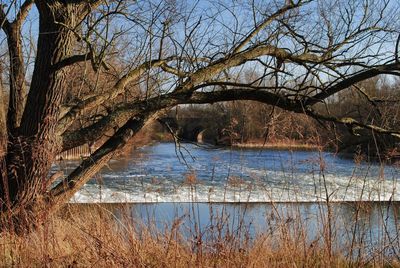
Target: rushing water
x: 165, y: 173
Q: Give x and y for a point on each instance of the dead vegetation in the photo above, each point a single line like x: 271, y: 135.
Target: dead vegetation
x: 106, y: 236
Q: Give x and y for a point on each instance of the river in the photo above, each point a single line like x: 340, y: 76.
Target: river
x: 163, y: 172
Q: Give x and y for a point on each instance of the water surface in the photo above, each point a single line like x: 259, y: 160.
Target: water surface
x: 165, y: 173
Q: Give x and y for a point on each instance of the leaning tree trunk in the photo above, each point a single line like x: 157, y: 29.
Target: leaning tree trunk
x: 34, y: 144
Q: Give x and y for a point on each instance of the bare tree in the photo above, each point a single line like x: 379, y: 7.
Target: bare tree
x: 304, y: 52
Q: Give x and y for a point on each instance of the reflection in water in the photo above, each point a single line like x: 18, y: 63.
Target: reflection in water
x: 356, y: 228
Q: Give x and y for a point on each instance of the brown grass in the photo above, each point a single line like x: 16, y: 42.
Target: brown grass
x: 92, y: 236
x: 279, y: 145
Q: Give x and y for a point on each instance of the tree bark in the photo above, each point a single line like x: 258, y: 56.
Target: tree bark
x: 34, y: 144
x: 3, y: 139
x: 17, y: 78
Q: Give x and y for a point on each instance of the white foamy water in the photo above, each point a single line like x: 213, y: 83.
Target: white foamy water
x: 156, y: 174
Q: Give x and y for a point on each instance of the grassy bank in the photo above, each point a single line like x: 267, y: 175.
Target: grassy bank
x: 92, y: 235
x: 291, y: 146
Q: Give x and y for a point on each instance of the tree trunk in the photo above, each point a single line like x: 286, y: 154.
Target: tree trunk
x: 3, y: 137
x: 17, y: 79
x: 34, y: 145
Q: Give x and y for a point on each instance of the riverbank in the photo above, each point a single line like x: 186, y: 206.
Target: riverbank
x: 103, y: 236
x: 290, y: 146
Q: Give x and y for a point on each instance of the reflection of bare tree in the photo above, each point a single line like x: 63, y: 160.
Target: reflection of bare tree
x: 162, y: 54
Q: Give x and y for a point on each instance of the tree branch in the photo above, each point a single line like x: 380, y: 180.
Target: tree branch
x: 17, y: 90
x: 79, y: 58
x: 23, y: 12
x: 65, y: 189
x: 240, y: 58
x: 126, y: 111
x: 4, y: 23
x: 193, y: 80
x: 351, y: 80
x: 116, y: 90
x: 396, y: 53
x: 265, y: 23
x: 351, y: 123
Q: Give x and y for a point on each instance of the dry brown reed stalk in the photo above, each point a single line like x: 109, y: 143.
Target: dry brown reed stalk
x: 109, y: 236
x: 190, y: 179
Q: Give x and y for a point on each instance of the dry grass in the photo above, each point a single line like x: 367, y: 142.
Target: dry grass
x: 87, y: 236
x: 279, y: 145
